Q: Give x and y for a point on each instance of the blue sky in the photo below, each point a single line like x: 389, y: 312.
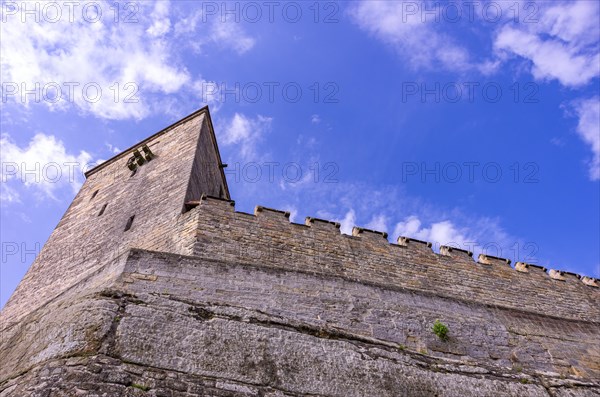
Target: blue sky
x: 474, y: 125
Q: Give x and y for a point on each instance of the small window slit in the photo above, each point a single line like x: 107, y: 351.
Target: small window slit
x: 103, y: 209
x: 129, y: 223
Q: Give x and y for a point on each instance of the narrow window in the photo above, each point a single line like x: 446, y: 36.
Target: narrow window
x: 220, y: 191
x: 133, y: 173
x: 102, y: 210
x: 94, y: 195
x: 129, y: 223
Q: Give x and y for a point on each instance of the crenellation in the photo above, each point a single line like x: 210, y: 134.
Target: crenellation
x: 556, y: 275
x: 321, y: 223
x: 402, y: 240
x: 219, y: 201
x: 259, y: 208
x: 522, y: 267
x: 456, y: 253
x: 361, y: 231
x: 493, y: 260
x: 592, y: 282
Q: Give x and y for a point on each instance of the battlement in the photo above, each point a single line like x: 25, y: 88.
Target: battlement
x: 318, y: 246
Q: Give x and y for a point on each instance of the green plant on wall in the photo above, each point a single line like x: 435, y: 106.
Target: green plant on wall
x: 440, y: 329
x: 140, y: 387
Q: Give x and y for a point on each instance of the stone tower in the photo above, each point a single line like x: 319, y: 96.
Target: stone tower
x: 153, y: 285
x: 150, y: 190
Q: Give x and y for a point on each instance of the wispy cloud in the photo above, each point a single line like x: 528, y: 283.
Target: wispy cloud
x: 112, y: 149
x: 161, y: 24
x: 225, y: 32
x: 230, y: 34
x: 347, y: 222
x: 562, y: 45
x: 554, y: 41
x: 245, y: 133
x: 378, y: 222
x: 8, y: 195
x: 43, y: 166
x: 419, y: 41
x: 588, y: 128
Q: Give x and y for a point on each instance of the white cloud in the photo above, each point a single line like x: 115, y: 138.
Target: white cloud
x: 410, y: 227
x: 8, y: 195
x: 483, y: 235
x: 225, y: 32
x: 378, y: 223
x: 391, y: 210
x: 96, y: 54
x: 588, y: 129
x: 439, y: 233
x: 315, y: 119
x: 563, y: 45
x: 143, y: 56
x: 551, y: 59
x: 347, y: 222
x: 245, y: 133
x: 446, y: 233
x: 419, y: 41
x: 44, y: 166
x: 293, y: 212
x: 572, y: 21
x: 112, y: 149
x: 231, y: 34
x: 161, y: 24
x: 557, y: 40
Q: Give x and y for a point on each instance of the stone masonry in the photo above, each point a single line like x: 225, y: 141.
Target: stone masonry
x: 196, y: 299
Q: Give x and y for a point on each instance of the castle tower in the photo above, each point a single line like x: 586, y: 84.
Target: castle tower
x: 136, y: 199
x: 153, y: 284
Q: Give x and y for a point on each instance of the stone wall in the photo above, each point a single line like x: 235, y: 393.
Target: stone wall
x: 268, y: 238
x: 172, y: 325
